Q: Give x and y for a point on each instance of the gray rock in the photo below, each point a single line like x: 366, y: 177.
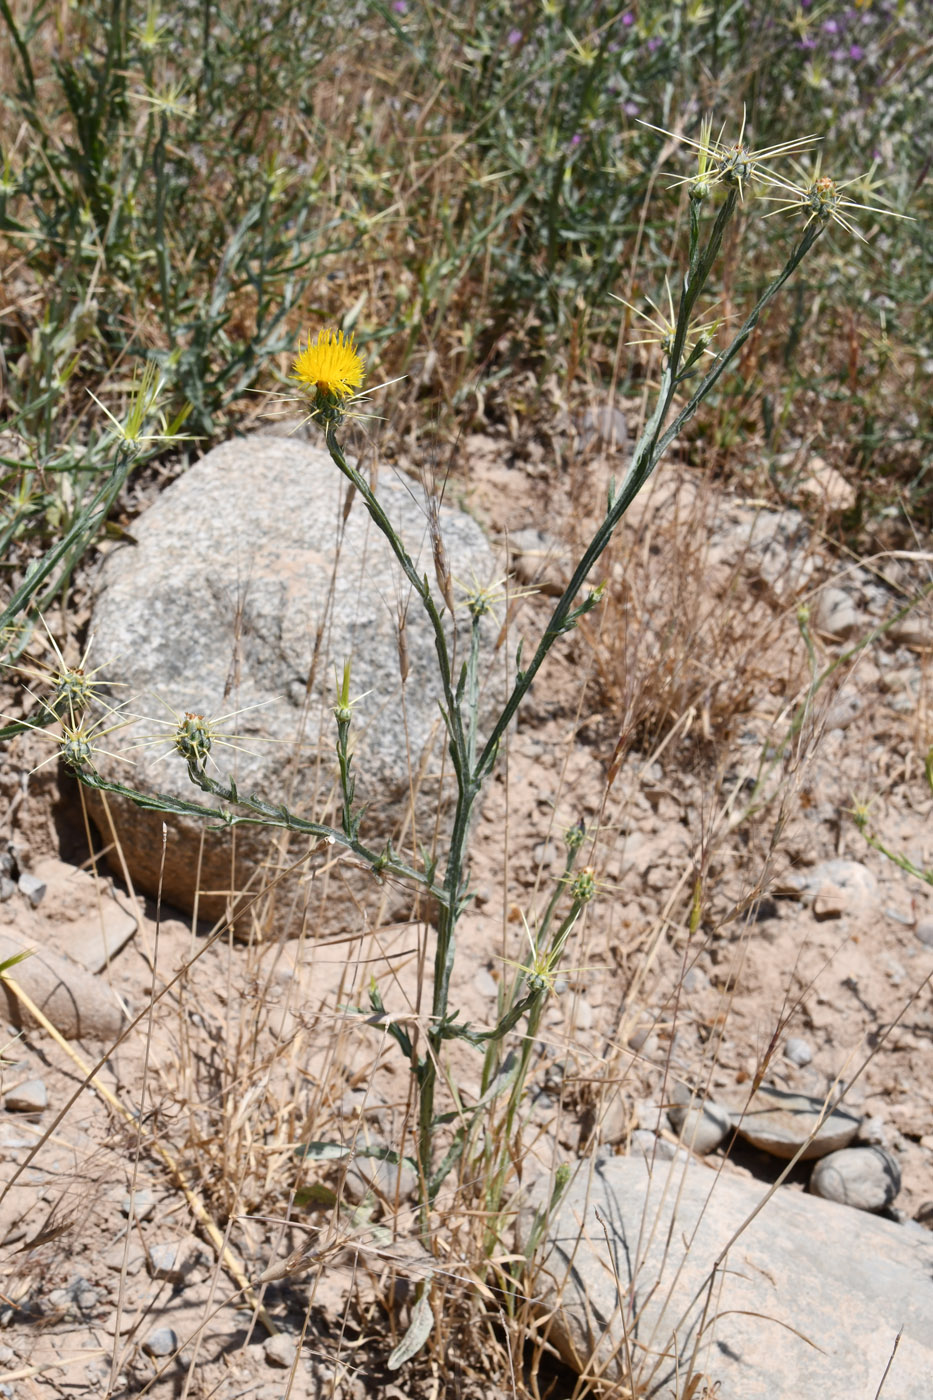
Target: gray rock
x: 240, y: 569
x: 167, y: 1262
x: 160, y: 1343
x: 280, y: 1351
x: 701, y: 1126
x: 835, y: 613
x: 807, y: 1297
x: 140, y: 1205
x: 849, y: 882
x: 798, y: 1051
x: 392, y: 1181
x: 31, y: 1097
x: 865, y: 1177
x: 914, y: 631
x: 780, y: 1122
x: 33, y: 888
x: 78, y: 1005
x: 7, y: 888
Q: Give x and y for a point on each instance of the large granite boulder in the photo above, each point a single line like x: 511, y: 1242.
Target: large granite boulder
x: 245, y: 587
x: 809, y: 1300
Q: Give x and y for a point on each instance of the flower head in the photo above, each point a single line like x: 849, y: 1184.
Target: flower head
x: 730, y: 163
x: 664, y: 328
x: 821, y: 198
x: 330, y: 365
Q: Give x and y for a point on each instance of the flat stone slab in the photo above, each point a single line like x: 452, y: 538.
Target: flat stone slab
x: 780, y: 1122
x: 648, y: 1279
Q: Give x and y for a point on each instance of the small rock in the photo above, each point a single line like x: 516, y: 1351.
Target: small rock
x: 280, y: 1351
x: 924, y: 932
x: 7, y: 888
x: 867, y: 1178
x: 701, y: 1126
x: 162, y: 1342
x: 913, y: 631
x: 874, y: 1131
x: 167, y: 1262
x: 780, y: 1123
x: 390, y: 1180
x: 798, y: 1051
x: 31, y: 1097
x: 78, y: 1004
x: 485, y: 983
x: 33, y: 888
x: 140, y: 1205
x: 832, y: 878
x: 835, y: 613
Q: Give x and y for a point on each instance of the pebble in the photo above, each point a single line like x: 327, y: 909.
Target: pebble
x: 31, y: 1097
x: 280, y: 1351
x: 390, y: 1180
x: 141, y: 1204
x: 162, y: 1342
x: 798, y: 1051
x: 7, y: 888
x: 33, y: 888
x: 646, y: 1144
x: 835, y: 613
x: 924, y: 932
x: 701, y: 1126
x: 167, y: 1262
x: 867, y: 1178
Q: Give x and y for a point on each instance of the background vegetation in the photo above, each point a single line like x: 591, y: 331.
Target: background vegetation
x: 461, y: 186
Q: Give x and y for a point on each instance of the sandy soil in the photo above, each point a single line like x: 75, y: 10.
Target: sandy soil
x: 719, y: 934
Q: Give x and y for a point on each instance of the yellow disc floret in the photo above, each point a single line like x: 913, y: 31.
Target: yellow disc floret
x: 330, y: 365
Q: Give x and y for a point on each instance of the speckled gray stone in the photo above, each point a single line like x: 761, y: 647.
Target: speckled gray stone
x: 808, y: 1296
x: 160, y: 1343
x: 249, y: 582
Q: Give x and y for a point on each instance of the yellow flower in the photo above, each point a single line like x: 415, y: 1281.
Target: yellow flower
x: 331, y: 365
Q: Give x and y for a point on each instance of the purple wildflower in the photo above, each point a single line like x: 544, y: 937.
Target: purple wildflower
x: 399, y: 7
x: 856, y: 53
x: 628, y: 19
x: 514, y: 37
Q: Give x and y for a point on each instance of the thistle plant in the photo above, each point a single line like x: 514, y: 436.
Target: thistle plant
x: 329, y: 373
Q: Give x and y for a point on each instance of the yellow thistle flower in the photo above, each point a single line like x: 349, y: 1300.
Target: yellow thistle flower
x: 330, y: 365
